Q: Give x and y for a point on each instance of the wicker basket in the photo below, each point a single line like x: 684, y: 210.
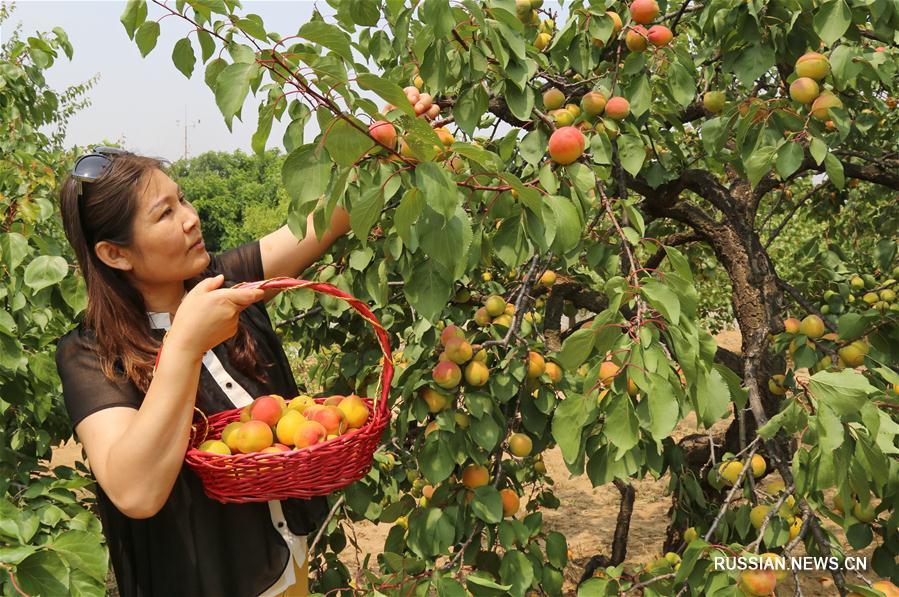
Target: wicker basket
x: 317, y: 470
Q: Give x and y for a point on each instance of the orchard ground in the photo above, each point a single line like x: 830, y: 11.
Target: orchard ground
x: 591, y: 534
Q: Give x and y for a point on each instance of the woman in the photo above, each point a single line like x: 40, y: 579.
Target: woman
x: 148, y: 276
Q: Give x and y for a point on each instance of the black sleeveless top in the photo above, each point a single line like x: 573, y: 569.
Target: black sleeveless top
x: 194, y: 546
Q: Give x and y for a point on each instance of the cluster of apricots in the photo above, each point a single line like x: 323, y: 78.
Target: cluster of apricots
x: 270, y: 424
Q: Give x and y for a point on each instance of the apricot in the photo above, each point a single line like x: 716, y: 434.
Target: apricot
x: 757, y: 515
x: 660, y: 36
x: 474, y: 476
x: 554, y: 372
x: 616, y: 21
x: 779, y: 574
x: 432, y: 427
x: 812, y: 327
x: 355, y: 411
x: 607, y: 372
x: 542, y: 41
x: 566, y: 145
x: 823, y: 103
x: 333, y: 400
x: 758, y: 464
x: 447, y: 374
x: 503, y: 321
x: 462, y: 420
x: 309, y: 433
x: 886, y: 587
x: 412, y: 93
x: 691, y: 535
x: 547, y: 279
x: 481, y: 317
x: 436, y: 401
x: 481, y: 355
x: 267, y: 409
x: 562, y: 117
x: 776, y: 385
x: 520, y: 445
x: 432, y: 112
x: 713, y: 101
x: 330, y: 417
x: 275, y: 448
x: 510, y: 309
x: 536, y: 364
x: 795, y: 527
x: 476, y: 373
x: 383, y: 132
x: 445, y: 136
x: 458, y: 350
x: 215, y: 446
x: 644, y: 11
x: 228, y: 435
x: 495, y: 305
x: 791, y: 325
x: 864, y: 513
x: 449, y: 332
x: 617, y: 108
x: 854, y: 354
x: 813, y: 65
x: 253, y: 436
x: 245, y: 413
x: 574, y: 109
x: 287, y: 426
x: 804, y: 90
x: 636, y: 39
x: 301, y: 403
x: 730, y: 471
x: 511, y: 502
x: 758, y: 582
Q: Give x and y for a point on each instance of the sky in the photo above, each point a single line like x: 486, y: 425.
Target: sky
x: 141, y: 102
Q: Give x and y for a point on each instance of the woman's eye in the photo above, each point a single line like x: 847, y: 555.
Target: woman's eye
x: 183, y: 198
x: 166, y: 212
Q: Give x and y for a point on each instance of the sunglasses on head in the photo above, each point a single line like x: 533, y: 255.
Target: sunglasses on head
x: 91, y: 166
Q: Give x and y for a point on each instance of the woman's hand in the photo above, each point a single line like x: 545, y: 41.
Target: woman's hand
x: 208, y: 315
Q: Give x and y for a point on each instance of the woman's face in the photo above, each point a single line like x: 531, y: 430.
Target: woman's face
x: 166, y: 230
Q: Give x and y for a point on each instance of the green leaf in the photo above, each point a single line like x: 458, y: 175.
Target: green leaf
x: 557, y: 550
x: 487, y: 504
x: 386, y: 90
x: 83, y: 551
x: 818, y: 149
x: 43, y: 573
x: 306, y: 173
x: 44, y: 271
x: 440, y: 190
x: 759, y: 163
x: 576, y: 349
x: 231, y: 88
x: 13, y: 249
x: 427, y: 289
x: 663, y: 408
x: 639, y: 93
x: 832, y: 20
x: 146, y: 37
x: 830, y: 429
x: 834, y: 168
x: 446, y: 240
x: 568, y: 224
x: 520, y: 102
x: 844, y: 391
x: 406, y: 214
x: 601, y: 149
x: 851, y: 326
x: 366, y: 211
x: 789, y: 158
x: 683, y: 85
x: 16, y: 553
x: 438, y: 15
x: 329, y: 36
x: 621, y: 425
x: 663, y: 299
x: 533, y: 146
x: 516, y: 570
x: 469, y: 108
x: 431, y: 532
x: 183, y: 57
x: 486, y: 431
x: 345, y: 143
x: 632, y: 153
x: 567, y: 425
x: 133, y: 16
x: 436, y: 461
x: 751, y: 62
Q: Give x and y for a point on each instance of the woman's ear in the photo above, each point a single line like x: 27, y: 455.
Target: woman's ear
x: 113, y: 255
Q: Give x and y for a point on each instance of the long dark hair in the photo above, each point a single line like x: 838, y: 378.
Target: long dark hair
x: 116, y: 313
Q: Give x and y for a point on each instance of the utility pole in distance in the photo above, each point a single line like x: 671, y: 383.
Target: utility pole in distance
x: 187, y: 124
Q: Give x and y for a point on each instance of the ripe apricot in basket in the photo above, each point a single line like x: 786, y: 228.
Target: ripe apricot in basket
x: 330, y: 417
x: 308, y: 434
x: 267, y: 409
x: 229, y: 435
x: 287, y: 427
x: 301, y: 403
x: 355, y: 411
x: 274, y: 448
x: 214, y: 446
x: 254, y: 436
x: 333, y: 400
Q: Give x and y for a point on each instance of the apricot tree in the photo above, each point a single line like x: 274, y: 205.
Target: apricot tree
x: 537, y: 177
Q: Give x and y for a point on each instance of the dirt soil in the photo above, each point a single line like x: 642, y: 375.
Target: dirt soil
x: 587, y: 515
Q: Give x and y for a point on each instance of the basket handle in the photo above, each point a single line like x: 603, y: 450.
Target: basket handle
x: 284, y: 283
